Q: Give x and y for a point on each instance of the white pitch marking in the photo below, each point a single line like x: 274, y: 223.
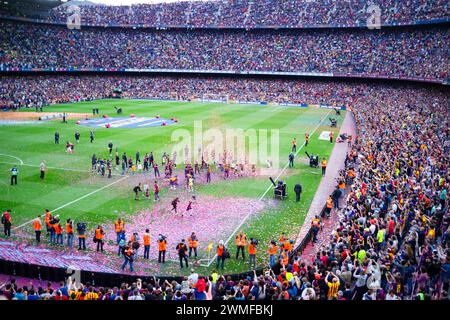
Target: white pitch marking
x: 11, y: 156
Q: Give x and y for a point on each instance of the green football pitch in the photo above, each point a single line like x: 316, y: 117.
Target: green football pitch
x: 81, y: 195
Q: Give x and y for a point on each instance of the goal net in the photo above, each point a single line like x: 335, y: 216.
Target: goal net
x: 214, y: 97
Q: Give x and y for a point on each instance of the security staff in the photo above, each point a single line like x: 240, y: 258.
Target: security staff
x: 162, y: 245
x: 324, y: 166
x: 193, y: 243
x: 14, y: 173
x: 241, y: 242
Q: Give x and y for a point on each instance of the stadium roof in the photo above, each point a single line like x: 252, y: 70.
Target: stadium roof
x: 42, y: 7
x: 29, y: 7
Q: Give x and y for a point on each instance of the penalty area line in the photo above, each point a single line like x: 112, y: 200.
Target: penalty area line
x: 54, y: 168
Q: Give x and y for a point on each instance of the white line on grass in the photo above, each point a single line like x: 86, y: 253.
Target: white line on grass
x: 55, y: 168
x: 281, y: 172
x: 76, y: 200
x: 11, y: 156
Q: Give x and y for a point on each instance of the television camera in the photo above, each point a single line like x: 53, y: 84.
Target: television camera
x: 333, y: 122
x: 279, y: 190
x: 313, y: 160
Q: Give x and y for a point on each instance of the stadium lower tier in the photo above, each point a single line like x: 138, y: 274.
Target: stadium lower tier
x: 32, y: 91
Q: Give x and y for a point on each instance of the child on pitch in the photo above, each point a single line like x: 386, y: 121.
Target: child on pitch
x: 189, y: 207
x: 146, y: 190
x: 191, y: 183
x: 173, y: 182
x: 156, y: 190
x: 174, y: 205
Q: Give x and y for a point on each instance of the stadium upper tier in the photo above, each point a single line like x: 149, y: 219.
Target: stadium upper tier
x: 393, y: 52
x: 262, y: 13
x: 29, y: 91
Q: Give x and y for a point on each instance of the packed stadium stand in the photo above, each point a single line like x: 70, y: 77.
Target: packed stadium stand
x: 391, y: 240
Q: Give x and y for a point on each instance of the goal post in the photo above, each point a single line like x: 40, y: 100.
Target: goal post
x: 215, y: 97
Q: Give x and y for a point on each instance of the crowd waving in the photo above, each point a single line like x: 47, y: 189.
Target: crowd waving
x: 403, y: 53
x: 391, y: 240
x: 256, y: 13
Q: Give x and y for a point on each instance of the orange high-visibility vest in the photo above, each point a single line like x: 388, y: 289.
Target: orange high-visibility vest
x: 47, y: 218
x: 118, y: 226
x: 324, y: 163
x: 287, y: 245
x: 37, y: 225
x: 192, y: 243
x: 272, y: 249
x: 58, y: 229
x: 241, y: 240
x: 161, y: 246
x: 329, y: 203
x: 146, y: 239
x: 69, y: 228
x: 316, y: 222
x: 219, y: 250
x: 251, y: 249
x: 98, y: 234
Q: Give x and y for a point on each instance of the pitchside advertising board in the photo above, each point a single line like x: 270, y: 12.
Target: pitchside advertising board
x: 325, y: 106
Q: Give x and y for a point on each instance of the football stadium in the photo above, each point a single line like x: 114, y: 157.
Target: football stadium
x: 224, y: 150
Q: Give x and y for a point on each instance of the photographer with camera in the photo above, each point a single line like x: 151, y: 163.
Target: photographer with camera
x: 81, y: 230
x: 222, y: 254
x: 162, y: 246
x: 128, y: 254
x: 7, y: 222
x: 182, y: 253
x: 53, y: 228
x: 252, y: 253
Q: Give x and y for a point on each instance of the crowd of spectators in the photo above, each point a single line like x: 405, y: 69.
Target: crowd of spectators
x: 254, y: 13
x: 17, y: 92
x: 403, y: 53
x: 392, y: 236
